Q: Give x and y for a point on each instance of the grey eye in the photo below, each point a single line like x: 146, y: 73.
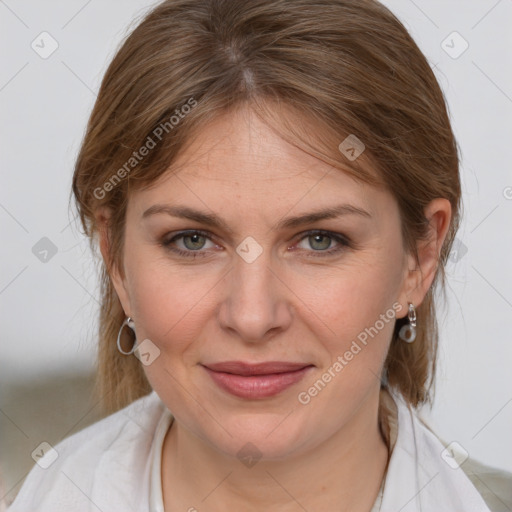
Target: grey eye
x: 197, y: 241
x: 319, y: 242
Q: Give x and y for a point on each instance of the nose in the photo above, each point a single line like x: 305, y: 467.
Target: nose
x: 256, y: 305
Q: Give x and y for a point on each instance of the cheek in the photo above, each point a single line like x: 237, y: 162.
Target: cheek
x: 170, y: 303
x: 171, y: 312
x: 352, y: 313
x: 349, y: 299
x: 354, y: 326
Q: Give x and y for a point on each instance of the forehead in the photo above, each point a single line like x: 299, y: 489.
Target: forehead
x: 237, y: 162
x: 238, y: 148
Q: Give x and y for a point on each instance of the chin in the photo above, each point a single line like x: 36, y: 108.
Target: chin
x: 259, y: 435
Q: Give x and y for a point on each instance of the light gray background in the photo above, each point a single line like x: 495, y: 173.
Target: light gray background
x: 48, y: 309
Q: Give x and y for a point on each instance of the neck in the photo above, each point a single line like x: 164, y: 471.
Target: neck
x: 343, y: 473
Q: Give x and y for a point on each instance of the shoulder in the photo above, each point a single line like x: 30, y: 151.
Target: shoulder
x: 447, y: 478
x: 494, y: 485
x: 112, y: 451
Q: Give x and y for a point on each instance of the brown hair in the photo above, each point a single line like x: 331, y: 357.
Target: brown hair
x: 347, y: 66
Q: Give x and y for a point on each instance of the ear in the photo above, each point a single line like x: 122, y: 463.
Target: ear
x: 117, y: 277
x: 420, y: 272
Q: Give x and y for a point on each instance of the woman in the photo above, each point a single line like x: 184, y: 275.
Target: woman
x: 274, y: 189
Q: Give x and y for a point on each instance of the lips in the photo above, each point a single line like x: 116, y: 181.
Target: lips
x: 256, y: 381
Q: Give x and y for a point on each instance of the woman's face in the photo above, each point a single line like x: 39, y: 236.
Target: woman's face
x: 256, y: 287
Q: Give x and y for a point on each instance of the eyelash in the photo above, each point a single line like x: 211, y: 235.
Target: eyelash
x: 343, y: 242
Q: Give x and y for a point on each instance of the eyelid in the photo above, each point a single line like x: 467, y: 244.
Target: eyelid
x: 332, y: 234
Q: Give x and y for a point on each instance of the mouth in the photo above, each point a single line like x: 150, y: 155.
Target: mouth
x: 255, y: 381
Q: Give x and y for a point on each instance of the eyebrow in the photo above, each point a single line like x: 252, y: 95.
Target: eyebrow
x: 213, y: 220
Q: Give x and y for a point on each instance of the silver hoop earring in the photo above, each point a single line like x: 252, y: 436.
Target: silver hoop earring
x: 131, y: 324
x: 408, y: 332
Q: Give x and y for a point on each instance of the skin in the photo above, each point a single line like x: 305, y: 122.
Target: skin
x: 292, y: 303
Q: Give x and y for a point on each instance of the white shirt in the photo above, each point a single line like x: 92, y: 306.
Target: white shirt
x: 114, y: 465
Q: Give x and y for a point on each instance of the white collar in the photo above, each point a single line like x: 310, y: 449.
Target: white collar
x: 156, y: 503
x: 418, y: 478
